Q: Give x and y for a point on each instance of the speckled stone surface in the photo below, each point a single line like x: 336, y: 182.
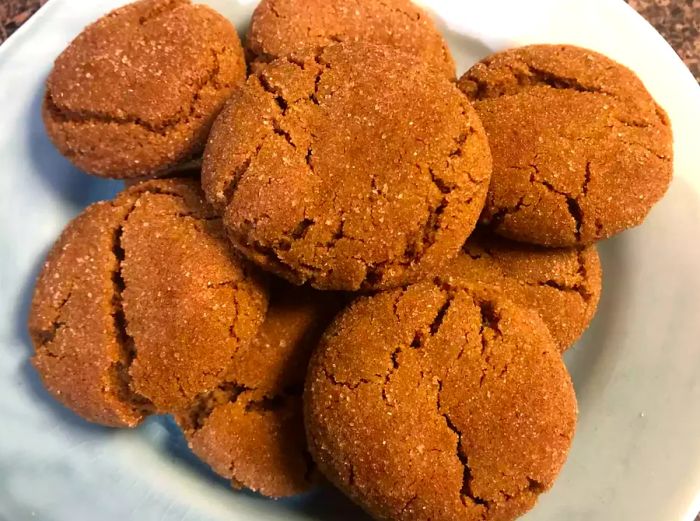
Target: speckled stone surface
x: 679, y: 22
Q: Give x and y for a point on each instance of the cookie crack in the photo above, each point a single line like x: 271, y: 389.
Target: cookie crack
x: 278, y: 128
x: 534, y: 77
x: 496, y: 219
x: 407, y: 504
x: 162, y: 128
x: 466, y: 492
x: 575, y: 288
x: 229, y: 189
x: 47, y: 335
x: 125, y: 342
x: 556, y: 81
x: 276, y: 93
x: 572, y: 204
x: 394, y: 357
x: 348, y: 385
x: 586, y: 179
x: 205, y: 403
x: 323, y: 67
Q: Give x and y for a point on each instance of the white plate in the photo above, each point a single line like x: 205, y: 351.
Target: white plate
x: 636, y: 455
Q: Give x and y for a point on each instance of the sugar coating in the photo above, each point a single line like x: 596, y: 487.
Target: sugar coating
x: 137, y: 91
x: 580, y: 149
x: 250, y: 429
x: 562, y: 284
x: 141, y: 305
x: 280, y: 27
x: 437, y: 401
x: 353, y: 168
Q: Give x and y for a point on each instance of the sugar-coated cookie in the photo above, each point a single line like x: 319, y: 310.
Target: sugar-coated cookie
x: 353, y: 168
x: 136, y: 92
x: 437, y: 401
x: 142, y: 305
x: 580, y: 149
x: 250, y: 429
x: 280, y: 27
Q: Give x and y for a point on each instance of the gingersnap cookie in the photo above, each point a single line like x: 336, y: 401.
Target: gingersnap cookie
x: 280, y: 27
x: 580, y: 149
x: 136, y: 92
x: 562, y: 284
x: 141, y: 305
x: 354, y: 168
x: 250, y: 429
x: 439, y: 402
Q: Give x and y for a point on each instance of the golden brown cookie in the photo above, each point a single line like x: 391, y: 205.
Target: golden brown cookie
x: 580, y: 149
x: 137, y: 91
x: 355, y: 168
x: 439, y: 402
x: 562, y: 284
x: 141, y: 305
x: 280, y: 27
x: 250, y: 429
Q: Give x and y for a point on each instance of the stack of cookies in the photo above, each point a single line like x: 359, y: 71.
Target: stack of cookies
x: 333, y: 258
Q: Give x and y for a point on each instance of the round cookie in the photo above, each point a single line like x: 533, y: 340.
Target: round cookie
x: 104, y: 106
x: 355, y: 168
x: 580, y: 149
x: 141, y: 305
x: 562, y: 284
x: 281, y: 27
x: 439, y: 402
x: 251, y: 429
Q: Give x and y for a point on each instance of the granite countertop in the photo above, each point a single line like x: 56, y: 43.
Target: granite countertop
x: 677, y: 20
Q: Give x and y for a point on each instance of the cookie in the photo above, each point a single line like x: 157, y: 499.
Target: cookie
x: 562, y: 284
x: 580, y: 149
x: 354, y: 168
x: 251, y: 429
x: 136, y: 92
x: 141, y: 305
x: 280, y: 27
x: 439, y: 402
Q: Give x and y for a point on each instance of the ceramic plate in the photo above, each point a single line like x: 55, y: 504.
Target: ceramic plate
x: 636, y: 455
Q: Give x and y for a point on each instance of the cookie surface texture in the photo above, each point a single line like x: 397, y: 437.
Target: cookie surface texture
x: 280, y: 27
x: 581, y: 151
x: 136, y: 92
x: 563, y: 285
x: 328, y: 175
x: 250, y: 429
x: 439, y: 402
x: 142, y: 305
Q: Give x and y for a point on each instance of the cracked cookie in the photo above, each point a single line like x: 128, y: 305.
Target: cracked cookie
x: 280, y: 27
x: 355, y: 168
x: 250, y: 429
x: 580, y: 149
x: 104, y: 106
x: 141, y: 305
x: 438, y: 401
x: 562, y: 284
